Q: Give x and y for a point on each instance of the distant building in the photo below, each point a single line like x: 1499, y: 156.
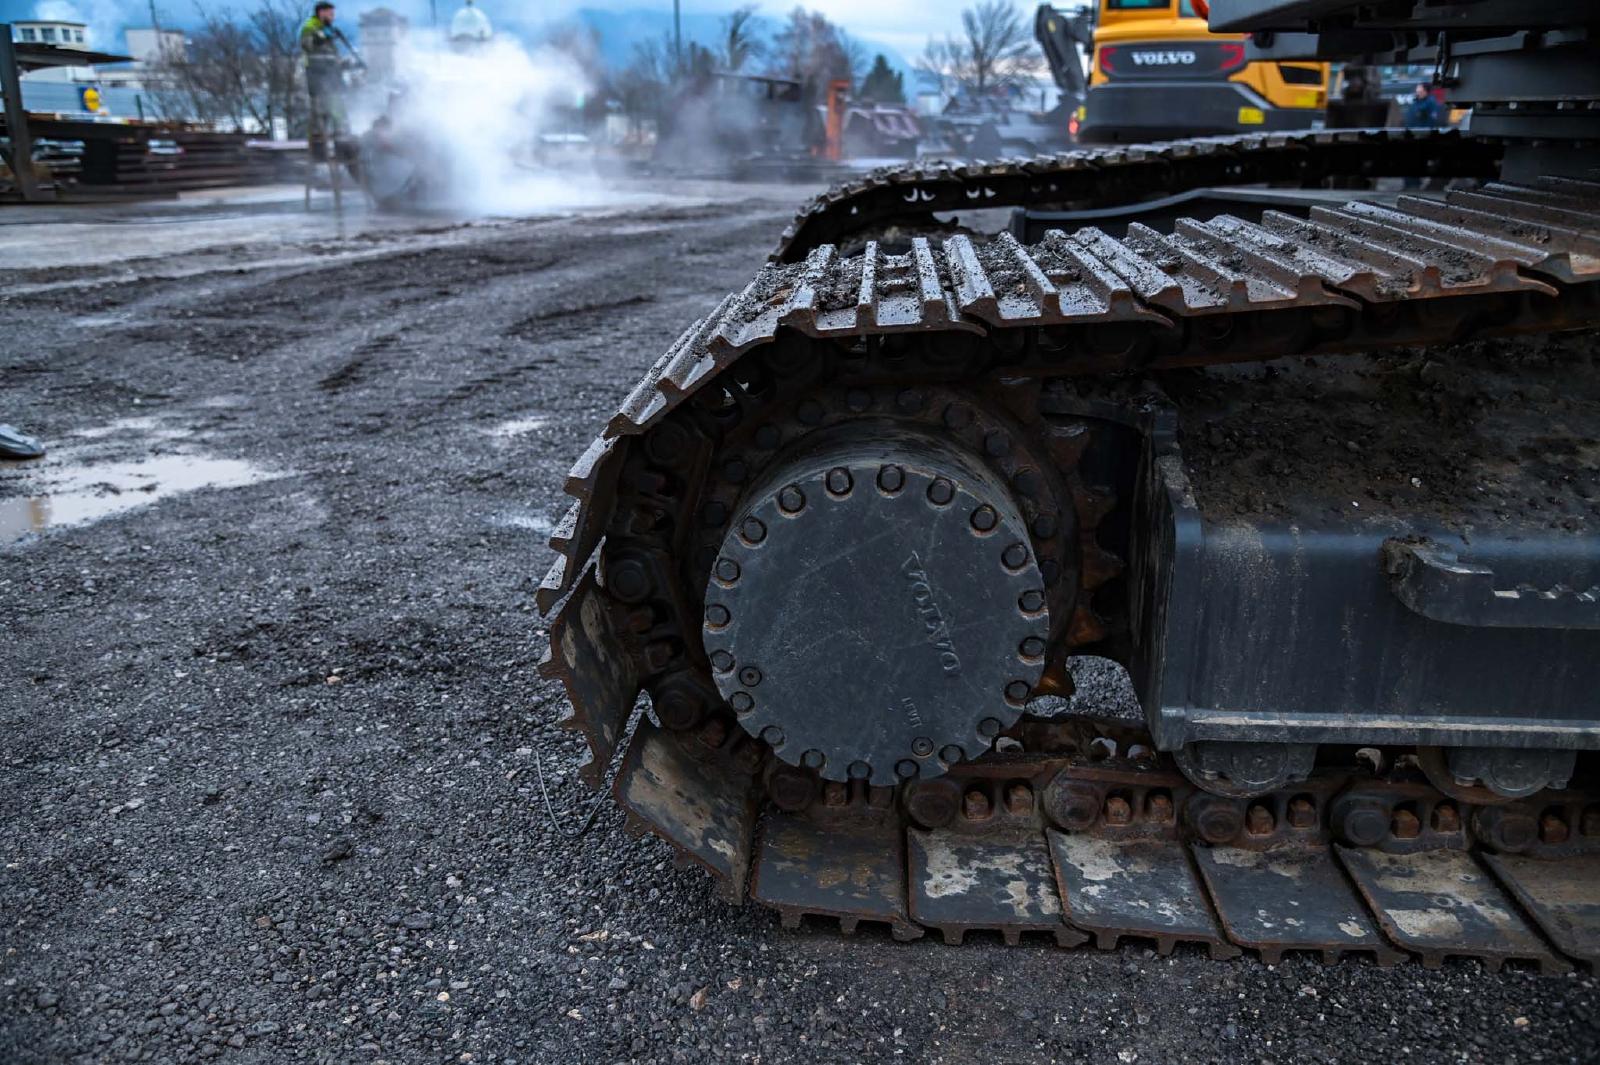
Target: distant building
x: 470, y: 28
x: 148, y: 46
x: 60, y: 33
x: 382, y: 32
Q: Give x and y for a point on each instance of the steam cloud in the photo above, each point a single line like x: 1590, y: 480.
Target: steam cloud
x: 469, y: 123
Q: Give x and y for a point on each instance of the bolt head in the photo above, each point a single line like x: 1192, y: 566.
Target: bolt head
x: 1014, y: 557
x: 858, y: 399
x: 906, y: 769
x: 997, y: 443
x: 891, y: 478
x: 941, y: 492
x: 922, y: 746
x: 989, y: 727
x: 752, y: 531
x: 1045, y: 526
x: 727, y: 570
x: 768, y: 437
x: 908, y: 401
x: 813, y: 759
x: 1017, y: 691
x: 735, y: 470
x: 809, y: 412
x: 718, y: 615
x: 1031, y: 601
x: 791, y: 500
x: 860, y: 771
x: 957, y: 416
x: 984, y: 518
x: 1027, y: 482
x: 950, y: 754
x: 772, y: 735
x: 839, y: 481
x: 1032, y: 647
x: 749, y: 676
x: 721, y: 661
x: 742, y: 702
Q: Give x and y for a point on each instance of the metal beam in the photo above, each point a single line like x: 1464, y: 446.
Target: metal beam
x: 21, y: 150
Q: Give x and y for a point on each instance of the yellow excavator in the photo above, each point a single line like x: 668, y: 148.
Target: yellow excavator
x: 1157, y: 72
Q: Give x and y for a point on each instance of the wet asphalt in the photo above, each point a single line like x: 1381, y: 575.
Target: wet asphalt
x: 269, y: 787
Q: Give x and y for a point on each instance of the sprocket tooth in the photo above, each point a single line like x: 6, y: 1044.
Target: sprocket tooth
x: 1085, y: 628
x: 600, y: 678
x: 592, y: 483
x: 704, y: 805
x: 1098, y: 565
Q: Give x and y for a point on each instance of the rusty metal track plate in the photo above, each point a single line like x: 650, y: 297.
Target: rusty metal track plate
x: 853, y: 870
x: 602, y: 683
x: 1562, y: 897
x: 1143, y: 888
x: 1001, y: 882
x: 1442, y: 903
x: 1289, y: 899
x: 705, y: 808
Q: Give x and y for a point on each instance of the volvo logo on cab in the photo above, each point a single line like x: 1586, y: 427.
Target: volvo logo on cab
x: 1163, y: 59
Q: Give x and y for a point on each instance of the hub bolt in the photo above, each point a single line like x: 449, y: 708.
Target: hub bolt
x: 1031, y: 601
x: 1032, y: 647
x: 735, y: 470
x: 749, y: 676
x: 742, y: 702
x: 1017, y: 691
x: 909, y: 401
x: 957, y: 416
x: 727, y: 570
x: 1118, y: 811
x: 975, y: 805
x: 989, y: 727
x: 1361, y: 822
x: 721, y: 661
x: 768, y: 437
x: 984, y: 518
x: 922, y: 746
x: 941, y: 492
x: 812, y: 759
x: 717, y: 615
x: 791, y: 500
x: 1045, y: 526
x: 860, y: 770
x: 906, y: 769
x: 809, y: 412
x: 996, y: 443
x: 752, y: 531
x: 950, y: 754
x: 628, y: 579
x: 839, y: 481
x: 1015, y: 557
x: 891, y: 478
x: 772, y: 735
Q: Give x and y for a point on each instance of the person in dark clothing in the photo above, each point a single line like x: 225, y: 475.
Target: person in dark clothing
x: 1422, y: 111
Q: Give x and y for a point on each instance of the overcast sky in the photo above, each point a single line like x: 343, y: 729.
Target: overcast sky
x: 902, y: 24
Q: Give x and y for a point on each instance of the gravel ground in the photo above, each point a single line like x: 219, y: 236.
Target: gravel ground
x: 269, y: 781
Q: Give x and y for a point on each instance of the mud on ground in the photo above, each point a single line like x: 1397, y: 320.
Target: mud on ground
x: 269, y: 792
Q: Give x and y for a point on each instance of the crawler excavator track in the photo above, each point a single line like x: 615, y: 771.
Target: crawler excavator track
x: 997, y: 433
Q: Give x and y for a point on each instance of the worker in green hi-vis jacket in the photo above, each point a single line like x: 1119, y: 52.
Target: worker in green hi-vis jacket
x: 319, y: 43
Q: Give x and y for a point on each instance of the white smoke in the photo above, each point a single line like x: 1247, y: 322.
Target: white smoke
x: 483, y: 126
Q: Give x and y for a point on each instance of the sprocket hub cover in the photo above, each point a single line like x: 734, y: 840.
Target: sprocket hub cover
x: 876, y: 611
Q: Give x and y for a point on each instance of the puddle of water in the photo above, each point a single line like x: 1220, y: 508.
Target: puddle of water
x: 534, y: 523
x: 83, y: 493
x: 149, y: 427
x: 519, y: 426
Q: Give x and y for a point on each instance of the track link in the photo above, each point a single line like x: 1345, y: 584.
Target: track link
x: 1496, y: 260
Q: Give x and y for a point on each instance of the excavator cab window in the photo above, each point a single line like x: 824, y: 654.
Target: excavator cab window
x: 1185, y: 7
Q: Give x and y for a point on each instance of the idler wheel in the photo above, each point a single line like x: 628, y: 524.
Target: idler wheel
x: 876, y: 611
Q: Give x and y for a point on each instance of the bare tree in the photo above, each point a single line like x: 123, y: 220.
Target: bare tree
x: 739, y: 44
x: 241, y: 71
x: 812, y: 50
x: 994, y: 52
